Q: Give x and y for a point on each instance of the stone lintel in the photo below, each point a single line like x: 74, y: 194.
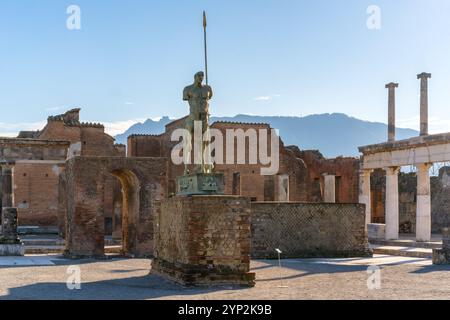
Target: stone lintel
x: 429, y: 140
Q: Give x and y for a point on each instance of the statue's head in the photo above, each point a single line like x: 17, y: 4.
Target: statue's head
x: 199, y: 77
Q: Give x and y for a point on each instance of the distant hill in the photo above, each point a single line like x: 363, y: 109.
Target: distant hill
x: 333, y: 134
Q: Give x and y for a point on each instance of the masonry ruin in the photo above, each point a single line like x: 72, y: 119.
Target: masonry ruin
x: 399, y: 203
x: 72, y: 177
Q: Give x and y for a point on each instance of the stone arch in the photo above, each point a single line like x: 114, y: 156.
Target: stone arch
x: 130, y: 207
x: 144, y: 184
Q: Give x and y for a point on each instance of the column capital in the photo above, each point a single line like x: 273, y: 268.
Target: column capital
x: 392, y: 170
x: 391, y: 85
x: 423, y: 166
x: 365, y: 171
x: 424, y: 76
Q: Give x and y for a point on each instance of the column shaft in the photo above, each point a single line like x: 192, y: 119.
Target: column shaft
x: 329, y: 188
x: 364, y: 193
x: 392, y: 204
x: 423, y: 214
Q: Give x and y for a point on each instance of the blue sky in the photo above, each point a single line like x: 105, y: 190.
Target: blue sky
x: 131, y: 59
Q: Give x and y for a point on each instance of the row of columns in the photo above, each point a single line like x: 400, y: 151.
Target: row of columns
x: 423, y: 211
x: 423, y: 77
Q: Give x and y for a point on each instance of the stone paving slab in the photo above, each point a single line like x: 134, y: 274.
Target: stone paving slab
x: 29, y: 260
x: 401, y: 278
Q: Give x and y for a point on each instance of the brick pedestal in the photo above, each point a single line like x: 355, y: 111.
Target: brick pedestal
x: 204, y: 241
x: 442, y: 256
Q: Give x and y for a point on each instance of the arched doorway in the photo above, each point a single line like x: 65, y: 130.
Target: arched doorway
x: 144, y: 184
x: 130, y: 187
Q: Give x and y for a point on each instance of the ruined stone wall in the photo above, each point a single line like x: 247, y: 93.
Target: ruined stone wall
x: 304, y: 168
x: 303, y: 230
x: 41, y: 159
x: 144, y: 146
x: 36, y: 193
x: 344, y: 168
x: 144, y: 183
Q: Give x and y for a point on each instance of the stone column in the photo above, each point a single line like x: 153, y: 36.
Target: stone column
x: 364, y: 193
x: 424, y: 102
x: 423, y: 214
x: 9, y: 227
x: 329, y: 189
x: 392, y: 204
x: 7, y: 186
x: 391, y: 110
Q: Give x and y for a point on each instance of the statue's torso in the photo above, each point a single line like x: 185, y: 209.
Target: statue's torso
x: 198, y: 98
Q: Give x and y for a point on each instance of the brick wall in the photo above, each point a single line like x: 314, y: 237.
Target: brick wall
x: 85, y: 179
x: 36, y: 193
x: 304, y: 168
x: 304, y: 230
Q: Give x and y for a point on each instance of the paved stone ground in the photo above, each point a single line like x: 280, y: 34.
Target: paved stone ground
x: 44, y: 277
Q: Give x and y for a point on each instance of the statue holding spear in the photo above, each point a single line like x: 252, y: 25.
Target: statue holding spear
x: 198, y: 96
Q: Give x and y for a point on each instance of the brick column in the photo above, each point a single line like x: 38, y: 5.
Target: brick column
x: 423, y: 215
x: 364, y: 193
x: 392, y: 204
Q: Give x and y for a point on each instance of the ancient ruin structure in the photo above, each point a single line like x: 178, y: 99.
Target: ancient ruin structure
x: 143, y: 183
x: 442, y: 256
x: 10, y: 244
x: 420, y: 152
x: 301, y: 176
x: 40, y: 158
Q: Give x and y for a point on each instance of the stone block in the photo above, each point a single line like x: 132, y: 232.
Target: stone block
x: 376, y: 231
x: 442, y: 256
x: 12, y: 250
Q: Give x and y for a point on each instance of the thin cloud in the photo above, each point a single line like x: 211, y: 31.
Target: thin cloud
x: 436, y: 124
x: 56, y: 108
x: 267, y: 98
x: 117, y: 127
x: 13, y: 129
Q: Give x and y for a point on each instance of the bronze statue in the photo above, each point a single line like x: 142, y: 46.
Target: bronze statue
x: 198, y: 96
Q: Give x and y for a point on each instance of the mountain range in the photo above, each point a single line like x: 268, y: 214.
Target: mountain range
x: 333, y: 134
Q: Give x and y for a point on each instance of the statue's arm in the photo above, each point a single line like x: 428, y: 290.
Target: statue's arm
x: 210, y: 92
x: 186, y: 94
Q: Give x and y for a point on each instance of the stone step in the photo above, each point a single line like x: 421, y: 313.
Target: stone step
x: 408, y: 243
x: 23, y: 230
x: 38, y: 249
x: 403, y: 251
x: 44, y: 241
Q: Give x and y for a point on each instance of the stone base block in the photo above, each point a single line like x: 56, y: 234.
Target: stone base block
x: 201, y: 184
x: 12, y: 250
x: 441, y: 256
x: 204, y: 241
x: 376, y: 231
x: 191, y: 275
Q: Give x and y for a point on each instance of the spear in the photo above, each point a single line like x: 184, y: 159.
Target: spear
x: 206, y: 50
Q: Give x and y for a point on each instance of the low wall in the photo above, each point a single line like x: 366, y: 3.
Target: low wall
x: 307, y: 230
